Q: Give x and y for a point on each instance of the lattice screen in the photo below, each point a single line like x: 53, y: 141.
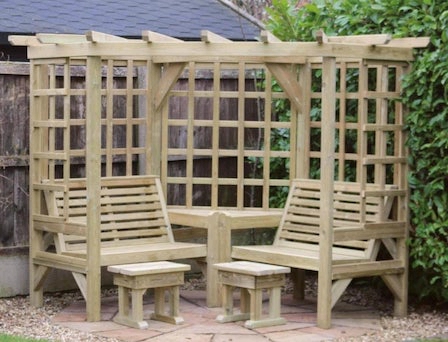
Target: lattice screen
x: 369, y: 122
x: 59, y: 136
x: 223, y: 136
x: 227, y: 128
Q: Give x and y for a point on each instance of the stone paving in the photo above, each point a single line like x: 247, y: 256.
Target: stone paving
x: 200, y: 325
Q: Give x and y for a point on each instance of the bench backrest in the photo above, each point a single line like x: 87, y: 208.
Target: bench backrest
x: 300, y: 224
x: 132, y: 208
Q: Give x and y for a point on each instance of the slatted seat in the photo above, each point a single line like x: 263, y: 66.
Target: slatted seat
x: 360, y: 223
x: 134, y: 225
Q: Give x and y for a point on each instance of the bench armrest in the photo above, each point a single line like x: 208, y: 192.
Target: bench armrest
x: 55, y: 224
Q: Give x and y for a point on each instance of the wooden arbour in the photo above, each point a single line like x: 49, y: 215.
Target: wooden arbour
x: 345, y: 123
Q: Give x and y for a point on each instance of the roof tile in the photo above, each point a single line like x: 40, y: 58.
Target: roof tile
x: 180, y: 19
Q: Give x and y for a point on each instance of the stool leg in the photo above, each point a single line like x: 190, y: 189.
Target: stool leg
x: 133, y: 317
x: 256, y: 320
x: 123, y: 301
x: 275, y: 302
x: 137, y: 305
x: 245, y: 301
x: 227, y: 299
x: 227, y: 303
x: 173, y: 302
x: 256, y: 304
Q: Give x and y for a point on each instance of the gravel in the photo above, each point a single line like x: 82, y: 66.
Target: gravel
x: 17, y: 317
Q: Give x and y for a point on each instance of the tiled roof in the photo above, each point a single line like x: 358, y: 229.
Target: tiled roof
x: 127, y: 18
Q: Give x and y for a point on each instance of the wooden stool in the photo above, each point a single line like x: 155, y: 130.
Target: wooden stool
x: 252, y: 278
x: 136, y: 279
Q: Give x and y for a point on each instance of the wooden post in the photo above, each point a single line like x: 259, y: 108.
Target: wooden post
x: 303, y: 124
x: 327, y: 185
x: 400, y: 177
x: 154, y: 122
x: 38, y: 171
x: 93, y: 174
x: 214, y: 234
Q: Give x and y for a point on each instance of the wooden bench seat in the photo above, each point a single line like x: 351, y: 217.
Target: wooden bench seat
x: 361, y: 222
x: 134, y: 225
x: 142, y: 252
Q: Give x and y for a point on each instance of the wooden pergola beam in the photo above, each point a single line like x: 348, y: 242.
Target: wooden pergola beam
x: 23, y: 40
x: 49, y: 38
x: 268, y: 37
x: 251, y: 52
x: 374, y: 39
x: 411, y: 42
x: 210, y: 37
x: 99, y: 37
x: 363, y: 39
x: 154, y: 37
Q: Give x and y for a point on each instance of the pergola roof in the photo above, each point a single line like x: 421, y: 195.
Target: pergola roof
x: 164, y: 48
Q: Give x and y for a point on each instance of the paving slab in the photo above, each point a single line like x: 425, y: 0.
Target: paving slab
x: 200, y: 324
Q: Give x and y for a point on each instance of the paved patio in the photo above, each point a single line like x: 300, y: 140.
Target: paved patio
x: 200, y: 325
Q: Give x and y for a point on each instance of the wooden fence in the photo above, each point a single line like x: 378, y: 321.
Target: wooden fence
x: 14, y: 154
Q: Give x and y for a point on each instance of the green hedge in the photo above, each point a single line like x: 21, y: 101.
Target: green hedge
x: 425, y: 94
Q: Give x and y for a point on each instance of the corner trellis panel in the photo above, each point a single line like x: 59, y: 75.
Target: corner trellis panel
x: 110, y: 104
x: 236, y: 119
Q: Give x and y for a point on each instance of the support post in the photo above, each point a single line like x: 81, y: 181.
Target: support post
x: 327, y: 185
x: 38, y: 170
x: 93, y: 175
x: 213, y: 241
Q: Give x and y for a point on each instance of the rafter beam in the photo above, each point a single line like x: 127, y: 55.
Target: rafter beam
x: 154, y: 37
x: 364, y: 39
x: 50, y: 38
x: 99, y: 37
x: 23, y: 40
x: 417, y: 42
x: 210, y: 37
x: 321, y: 37
x: 268, y: 37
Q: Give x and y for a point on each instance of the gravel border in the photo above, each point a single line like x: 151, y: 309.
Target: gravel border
x: 18, y: 317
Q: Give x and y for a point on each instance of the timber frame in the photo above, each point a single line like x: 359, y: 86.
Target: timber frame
x: 342, y: 91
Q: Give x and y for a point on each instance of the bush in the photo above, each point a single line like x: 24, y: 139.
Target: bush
x: 425, y: 94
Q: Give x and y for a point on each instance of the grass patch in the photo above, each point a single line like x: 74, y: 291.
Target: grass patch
x: 11, y: 338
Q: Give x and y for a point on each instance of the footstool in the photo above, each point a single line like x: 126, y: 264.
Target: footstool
x: 252, y: 278
x: 136, y: 279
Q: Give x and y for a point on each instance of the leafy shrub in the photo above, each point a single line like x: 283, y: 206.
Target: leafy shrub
x: 425, y: 94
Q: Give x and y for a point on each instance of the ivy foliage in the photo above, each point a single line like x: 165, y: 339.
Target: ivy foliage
x: 426, y: 96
